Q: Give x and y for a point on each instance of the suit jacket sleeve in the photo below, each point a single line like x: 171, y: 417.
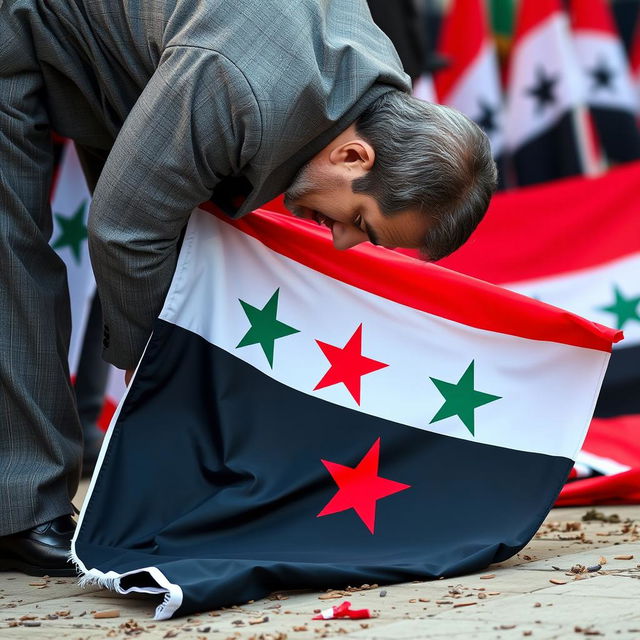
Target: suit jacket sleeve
x: 196, y: 122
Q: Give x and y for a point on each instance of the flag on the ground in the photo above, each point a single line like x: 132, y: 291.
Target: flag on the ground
x: 307, y: 418
x: 70, y: 206
x: 471, y: 81
x: 574, y: 244
x: 610, y: 94
x: 547, y: 131
x: 607, y: 470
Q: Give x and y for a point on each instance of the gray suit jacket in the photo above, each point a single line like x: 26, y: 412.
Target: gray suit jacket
x: 215, y: 99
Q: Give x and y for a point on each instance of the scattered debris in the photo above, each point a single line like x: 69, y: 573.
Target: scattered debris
x: 383, y: 593
x: 331, y: 595
x: 556, y: 581
x: 592, y: 514
x: 624, y: 557
x: 109, y: 613
x: 342, y: 610
x: 488, y: 576
x: 587, y: 631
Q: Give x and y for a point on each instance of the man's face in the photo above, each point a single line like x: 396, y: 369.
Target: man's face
x: 322, y: 192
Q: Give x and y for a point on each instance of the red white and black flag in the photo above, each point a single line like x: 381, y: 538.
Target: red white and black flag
x: 547, y: 131
x: 574, y: 244
x: 607, y: 469
x: 306, y: 418
x: 471, y: 80
x: 610, y: 92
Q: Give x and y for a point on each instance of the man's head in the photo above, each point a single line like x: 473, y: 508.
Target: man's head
x: 407, y: 174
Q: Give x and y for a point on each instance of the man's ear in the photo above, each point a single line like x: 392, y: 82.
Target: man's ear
x: 356, y: 156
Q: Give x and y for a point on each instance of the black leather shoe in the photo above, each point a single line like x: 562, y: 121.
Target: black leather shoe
x: 41, y: 550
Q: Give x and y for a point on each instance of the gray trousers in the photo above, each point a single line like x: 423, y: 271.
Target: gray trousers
x: 40, y: 433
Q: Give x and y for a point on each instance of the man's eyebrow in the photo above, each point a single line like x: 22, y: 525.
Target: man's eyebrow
x: 373, y: 236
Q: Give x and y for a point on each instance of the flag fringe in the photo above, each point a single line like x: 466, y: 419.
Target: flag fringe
x: 94, y: 577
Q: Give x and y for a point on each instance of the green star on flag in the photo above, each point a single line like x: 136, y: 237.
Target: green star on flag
x: 625, y: 308
x: 461, y: 399
x: 73, y: 231
x: 265, y: 328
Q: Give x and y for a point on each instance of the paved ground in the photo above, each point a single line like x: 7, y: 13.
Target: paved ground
x: 552, y: 589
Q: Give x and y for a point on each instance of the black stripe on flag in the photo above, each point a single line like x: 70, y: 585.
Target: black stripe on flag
x: 551, y: 155
x: 620, y: 393
x: 618, y: 133
x: 214, y: 473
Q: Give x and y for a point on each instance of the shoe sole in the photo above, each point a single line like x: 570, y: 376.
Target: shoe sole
x: 7, y: 564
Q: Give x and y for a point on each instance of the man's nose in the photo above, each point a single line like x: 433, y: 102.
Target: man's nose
x: 346, y: 236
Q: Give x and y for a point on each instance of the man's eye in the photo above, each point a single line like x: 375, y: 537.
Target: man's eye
x: 357, y: 221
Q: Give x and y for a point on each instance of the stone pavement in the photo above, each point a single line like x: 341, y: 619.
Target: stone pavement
x: 552, y: 589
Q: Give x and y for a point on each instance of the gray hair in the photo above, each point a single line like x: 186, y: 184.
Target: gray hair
x: 429, y: 158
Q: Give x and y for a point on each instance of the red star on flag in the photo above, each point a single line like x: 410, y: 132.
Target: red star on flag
x: 360, y: 488
x: 348, y: 365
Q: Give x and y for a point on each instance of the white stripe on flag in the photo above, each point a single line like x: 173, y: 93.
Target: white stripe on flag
x: 478, y: 88
x: 588, y: 291
x: 72, y: 199
x: 547, y: 389
x: 606, y: 466
x: 596, y: 49
x: 546, y: 50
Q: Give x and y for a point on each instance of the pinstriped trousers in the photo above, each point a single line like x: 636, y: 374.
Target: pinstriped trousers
x: 40, y: 433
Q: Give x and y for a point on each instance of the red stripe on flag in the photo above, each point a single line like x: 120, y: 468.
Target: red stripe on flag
x: 464, y: 32
x: 531, y: 13
x: 591, y: 15
x: 421, y: 286
x: 622, y: 488
x: 557, y: 228
x: 615, y: 439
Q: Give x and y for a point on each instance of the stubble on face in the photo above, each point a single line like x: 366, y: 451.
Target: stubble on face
x: 311, y: 180
x: 301, y: 185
